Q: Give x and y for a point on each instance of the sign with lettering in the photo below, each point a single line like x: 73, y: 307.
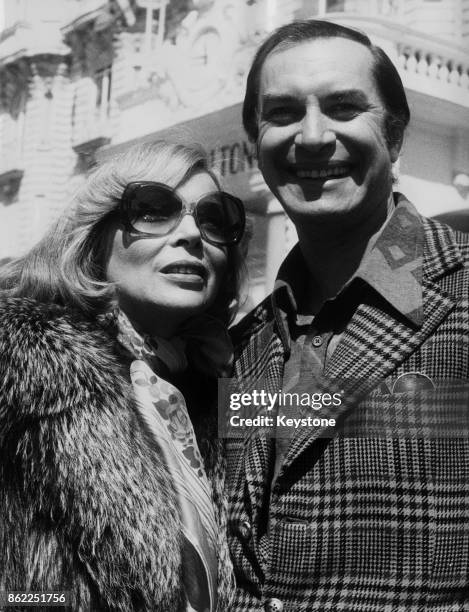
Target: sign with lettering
x: 232, y: 158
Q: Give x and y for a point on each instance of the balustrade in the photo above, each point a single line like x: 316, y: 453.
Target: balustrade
x: 434, y: 66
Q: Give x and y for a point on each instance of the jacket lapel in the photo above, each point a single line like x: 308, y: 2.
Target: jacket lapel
x: 377, y: 342
x: 260, y: 366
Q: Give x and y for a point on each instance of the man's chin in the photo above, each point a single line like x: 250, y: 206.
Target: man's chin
x: 308, y: 200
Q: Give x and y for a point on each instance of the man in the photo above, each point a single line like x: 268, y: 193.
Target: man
x: 371, y: 514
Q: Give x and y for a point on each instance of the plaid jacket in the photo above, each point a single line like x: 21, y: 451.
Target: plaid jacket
x: 366, y: 523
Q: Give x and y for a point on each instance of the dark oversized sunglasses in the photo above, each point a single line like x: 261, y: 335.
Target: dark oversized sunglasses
x: 154, y: 209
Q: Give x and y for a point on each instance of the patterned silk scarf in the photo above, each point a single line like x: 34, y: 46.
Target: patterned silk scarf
x: 164, y: 414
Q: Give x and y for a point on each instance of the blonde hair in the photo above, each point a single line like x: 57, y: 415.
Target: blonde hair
x: 67, y: 265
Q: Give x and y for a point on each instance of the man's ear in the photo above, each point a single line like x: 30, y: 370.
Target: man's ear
x: 395, y: 149
x: 395, y: 138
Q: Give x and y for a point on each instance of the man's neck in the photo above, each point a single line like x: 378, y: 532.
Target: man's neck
x: 333, y: 252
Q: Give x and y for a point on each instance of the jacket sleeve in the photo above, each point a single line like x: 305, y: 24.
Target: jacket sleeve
x: 85, y: 504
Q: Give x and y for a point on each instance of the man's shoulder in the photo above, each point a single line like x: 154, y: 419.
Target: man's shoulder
x: 446, y: 250
x: 255, y: 320
x: 437, y: 231
x: 444, y: 233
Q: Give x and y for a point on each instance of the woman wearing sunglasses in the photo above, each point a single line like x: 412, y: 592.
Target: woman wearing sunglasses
x: 112, y: 336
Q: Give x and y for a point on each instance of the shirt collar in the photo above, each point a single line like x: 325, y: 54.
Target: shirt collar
x: 393, y: 268
x: 394, y: 265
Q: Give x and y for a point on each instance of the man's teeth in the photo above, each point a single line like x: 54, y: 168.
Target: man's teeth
x: 185, y: 270
x: 324, y: 173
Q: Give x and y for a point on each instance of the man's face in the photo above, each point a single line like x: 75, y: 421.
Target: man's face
x: 321, y: 145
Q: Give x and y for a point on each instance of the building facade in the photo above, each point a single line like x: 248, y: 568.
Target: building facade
x: 82, y: 79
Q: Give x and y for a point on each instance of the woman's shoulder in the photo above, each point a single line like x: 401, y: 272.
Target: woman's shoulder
x: 31, y: 318
x: 51, y: 354
x: 70, y: 445
x: 248, y: 325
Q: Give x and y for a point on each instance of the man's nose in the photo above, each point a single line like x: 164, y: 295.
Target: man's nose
x: 315, y: 130
x: 187, y: 232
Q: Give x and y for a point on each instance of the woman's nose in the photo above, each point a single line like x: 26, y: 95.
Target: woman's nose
x: 314, y: 131
x: 186, y: 232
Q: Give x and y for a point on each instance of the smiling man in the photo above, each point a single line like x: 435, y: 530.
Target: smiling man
x: 372, y: 303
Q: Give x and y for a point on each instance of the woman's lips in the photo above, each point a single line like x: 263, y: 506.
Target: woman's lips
x: 187, y: 273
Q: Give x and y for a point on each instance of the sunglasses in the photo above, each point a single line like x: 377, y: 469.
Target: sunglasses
x: 153, y: 209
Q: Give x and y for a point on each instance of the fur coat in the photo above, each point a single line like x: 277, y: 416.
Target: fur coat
x: 85, y: 502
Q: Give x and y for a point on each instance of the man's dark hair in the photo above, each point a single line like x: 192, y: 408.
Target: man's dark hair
x: 387, y: 78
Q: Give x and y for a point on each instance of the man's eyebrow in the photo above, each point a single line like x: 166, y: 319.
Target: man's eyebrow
x: 350, y: 95
x: 269, y: 98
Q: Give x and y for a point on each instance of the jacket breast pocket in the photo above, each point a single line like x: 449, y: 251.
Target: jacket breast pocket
x: 431, y: 414
x: 291, y: 553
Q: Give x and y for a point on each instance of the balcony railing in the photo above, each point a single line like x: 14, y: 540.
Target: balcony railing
x: 442, y: 69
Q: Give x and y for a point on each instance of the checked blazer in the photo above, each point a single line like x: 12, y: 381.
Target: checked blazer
x: 377, y: 520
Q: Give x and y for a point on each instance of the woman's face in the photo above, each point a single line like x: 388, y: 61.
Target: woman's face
x: 163, y: 280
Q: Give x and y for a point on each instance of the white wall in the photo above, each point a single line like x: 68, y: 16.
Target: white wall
x: 427, y: 169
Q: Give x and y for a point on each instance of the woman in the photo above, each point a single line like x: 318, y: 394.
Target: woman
x: 121, y: 306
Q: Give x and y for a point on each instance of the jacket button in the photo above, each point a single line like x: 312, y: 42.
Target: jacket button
x: 273, y: 605
x: 245, y: 530
x: 317, y: 341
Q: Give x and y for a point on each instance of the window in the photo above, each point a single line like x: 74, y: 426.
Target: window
x: 12, y: 115
x: 103, y: 92
x: 335, y: 6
